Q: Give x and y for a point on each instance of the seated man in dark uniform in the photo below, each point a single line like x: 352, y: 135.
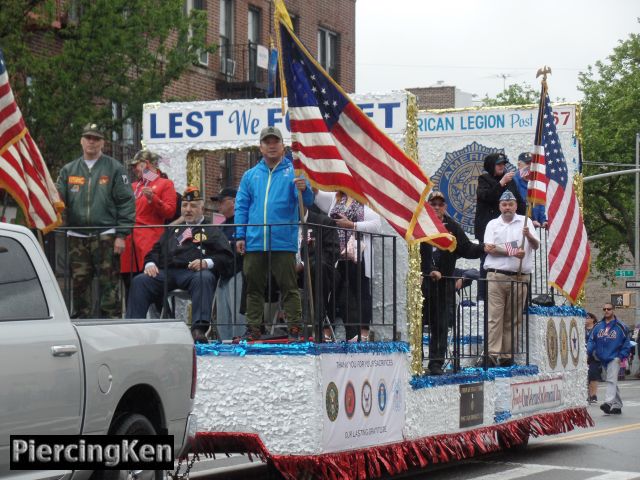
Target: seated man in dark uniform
x: 187, y: 256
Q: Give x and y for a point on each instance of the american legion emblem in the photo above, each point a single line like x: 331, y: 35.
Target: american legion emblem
x: 332, y: 402
x: 552, y: 343
x: 564, y: 343
x: 457, y: 178
x: 574, y: 342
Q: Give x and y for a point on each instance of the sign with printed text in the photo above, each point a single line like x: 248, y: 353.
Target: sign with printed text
x: 491, y: 121
x: 539, y: 395
x: 632, y: 284
x: 364, y: 400
x: 471, y: 404
x: 241, y: 120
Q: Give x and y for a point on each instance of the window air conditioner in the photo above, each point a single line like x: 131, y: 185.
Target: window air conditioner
x: 230, y: 67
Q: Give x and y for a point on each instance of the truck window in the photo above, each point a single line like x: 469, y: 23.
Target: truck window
x: 21, y: 295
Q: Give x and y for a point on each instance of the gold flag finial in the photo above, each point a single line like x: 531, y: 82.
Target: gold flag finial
x: 544, y: 71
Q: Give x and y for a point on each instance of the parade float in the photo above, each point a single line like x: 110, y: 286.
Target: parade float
x: 363, y: 410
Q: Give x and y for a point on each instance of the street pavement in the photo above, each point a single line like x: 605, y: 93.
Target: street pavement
x: 608, y: 451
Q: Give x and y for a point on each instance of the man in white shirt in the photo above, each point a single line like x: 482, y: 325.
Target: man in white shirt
x: 509, y: 263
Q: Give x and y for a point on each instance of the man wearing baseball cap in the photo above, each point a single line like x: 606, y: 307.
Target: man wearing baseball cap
x: 438, y: 285
x: 95, y: 189
x: 268, y: 198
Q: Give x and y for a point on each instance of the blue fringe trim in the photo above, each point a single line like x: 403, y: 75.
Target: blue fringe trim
x: 299, y: 349
x: 472, y: 375
x: 564, y: 311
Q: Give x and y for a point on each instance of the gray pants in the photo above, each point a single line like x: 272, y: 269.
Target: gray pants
x: 612, y: 394
x: 230, y: 322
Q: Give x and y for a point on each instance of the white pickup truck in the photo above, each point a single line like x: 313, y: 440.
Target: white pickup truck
x: 59, y: 377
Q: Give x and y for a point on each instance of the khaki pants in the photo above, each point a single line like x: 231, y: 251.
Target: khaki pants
x: 506, y: 298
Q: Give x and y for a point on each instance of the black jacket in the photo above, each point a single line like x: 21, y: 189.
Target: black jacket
x: 207, y: 242
x: 328, y: 237
x: 446, y: 262
x: 488, y: 194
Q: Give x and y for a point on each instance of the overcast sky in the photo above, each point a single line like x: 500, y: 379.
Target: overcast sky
x: 473, y: 44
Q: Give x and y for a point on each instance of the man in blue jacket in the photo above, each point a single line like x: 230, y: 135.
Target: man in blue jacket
x: 609, y: 344
x: 268, y: 199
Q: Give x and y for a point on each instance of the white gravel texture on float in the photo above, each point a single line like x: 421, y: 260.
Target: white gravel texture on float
x: 436, y: 410
x: 278, y: 397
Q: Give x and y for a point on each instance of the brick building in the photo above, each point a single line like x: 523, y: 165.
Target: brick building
x: 441, y: 96
x: 244, y: 30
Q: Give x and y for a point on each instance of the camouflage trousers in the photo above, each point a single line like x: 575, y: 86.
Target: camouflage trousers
x: 93, y: 257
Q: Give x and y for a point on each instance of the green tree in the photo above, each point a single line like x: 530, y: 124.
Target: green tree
x: 514, y: 94
x: 117, y: 51
x: 610, y: 121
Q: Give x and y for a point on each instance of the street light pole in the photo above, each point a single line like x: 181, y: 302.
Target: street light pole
x: 637, y: 235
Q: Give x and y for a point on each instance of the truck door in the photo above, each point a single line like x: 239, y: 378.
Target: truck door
x: 41, y: 386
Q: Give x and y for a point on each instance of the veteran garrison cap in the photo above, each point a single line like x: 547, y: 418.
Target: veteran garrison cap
x: 436, y: 194
x: 507, y: 196
x: 92, y: 130
x: 270, y: 132
x: 191, y: 193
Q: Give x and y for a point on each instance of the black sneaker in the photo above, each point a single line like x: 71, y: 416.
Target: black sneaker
x: 606, y: 408
x: 593, y: 399
x: 199, y: 336
x: 436, y: 369
x: 616, y: 411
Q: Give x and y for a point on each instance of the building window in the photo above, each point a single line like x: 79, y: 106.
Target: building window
x: 229, y: 161
x: 295, y: 21
x: 74, y: 11
x: 327, y: 51
x: 203, y: 57
x: 227, y: 61
x: 124, y: 134
x: 253, y: 37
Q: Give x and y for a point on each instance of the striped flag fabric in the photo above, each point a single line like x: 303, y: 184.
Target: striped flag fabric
x: 511, y: 248
x: 23, y: 173
x: 149, y: 175
x: 186, y: 234
x: 340, y: 148
x: 537, y: 186
x: 569, y: 251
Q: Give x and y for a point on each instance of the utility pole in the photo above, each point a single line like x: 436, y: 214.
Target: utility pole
x: 637, y: 225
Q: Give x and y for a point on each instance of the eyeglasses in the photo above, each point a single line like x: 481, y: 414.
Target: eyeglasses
x: 605, y: 309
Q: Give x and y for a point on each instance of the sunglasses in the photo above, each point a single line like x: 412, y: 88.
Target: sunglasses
x: 605, y: 309
x: 436, y: 204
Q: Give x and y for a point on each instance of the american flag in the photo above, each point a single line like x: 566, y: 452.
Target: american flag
x: 186, y: 234
x: 149, y: 176
x: 512, y: 248
x: 569, y: 251
x: 537, y: 187
x: 23, y: 172
x: 340, y: 148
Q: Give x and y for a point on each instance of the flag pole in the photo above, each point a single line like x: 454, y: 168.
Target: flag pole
x: 281, y: 15
x: 544, y: 71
